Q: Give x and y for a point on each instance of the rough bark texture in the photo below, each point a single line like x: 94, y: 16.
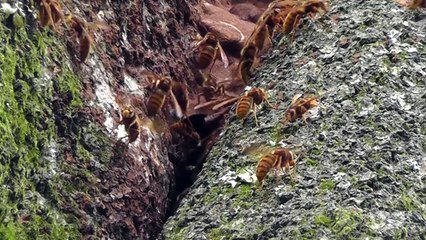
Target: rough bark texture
x: 146, y: 35
x: 63, y: 174
x: 363, y: 169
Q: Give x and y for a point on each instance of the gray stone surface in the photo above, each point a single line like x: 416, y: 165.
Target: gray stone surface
x: 364, y: 164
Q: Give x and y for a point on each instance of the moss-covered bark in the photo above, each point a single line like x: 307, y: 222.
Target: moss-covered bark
x: 62, y: 175
x: 361, y: 173
x: 49, y: 144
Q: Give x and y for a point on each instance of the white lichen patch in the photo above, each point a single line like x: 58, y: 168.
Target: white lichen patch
x: 34, y: 196
x: 313, y: 114
x: 152, y: 147
x: 395, y: 71
x: 281, y: 187
x: 150, y: 136
x: 9, y: 9
x: 386, y: 222
x: 229, y: 178
x: 399, y: 98
x: 124, y: 38
x: 104, y: 95
x: 120, y: 132
x: 132, y: 85
x: 50, y: 154
x: 238, y: 223
x: 247, y: 175
x: 105, y: 98
x: 422, y: 171
x: 418, y: 165
x: 46, y: 79
x: 110, y: 125
x: 154, y: 155
x: 367, y: 110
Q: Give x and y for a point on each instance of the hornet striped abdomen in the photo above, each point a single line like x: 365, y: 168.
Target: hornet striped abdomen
x: 206, y: 57
x: 249, y: 101
x: 156, y: 100
x: 243, y: 107
x: 264, y: 166
x: 278, y: 159
x: 131, y: 123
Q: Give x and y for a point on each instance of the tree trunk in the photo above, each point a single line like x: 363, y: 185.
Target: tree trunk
x: 64, y: 172
x: 361, y: 170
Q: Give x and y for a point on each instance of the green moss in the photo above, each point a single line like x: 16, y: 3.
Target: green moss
x: 311, y: 162
x: 402, y: 56
x: 423, y: 130
x: 69, y: 83
x: 211, y: 195
x: 400, y: 233
x: 346, y: 221
x: 244, y: 196
x: 379, y: 78
x: 218, y: 234
x: 179, y: 234
x: 245, y: 191
x: 342, y: 168
x: 377, y: 156
x: 362, y: 27
x: 407, y: 201
x: 354, y: 179
x: 377, y: 44
x: 215, y: 192
x: 82, y: 153
x: 386, y: 62
x: 277, y: 133
x: 29, y: 189
x: 316, y: 151
x: 338, y: 143
x: 306, y: 235
x: 342, y: 222
x: 323, y: 220
x: 368, y: 140
x: 26, y: 130
x: 358, y: 98
x: 9, y: 231
x: 327, y: 184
